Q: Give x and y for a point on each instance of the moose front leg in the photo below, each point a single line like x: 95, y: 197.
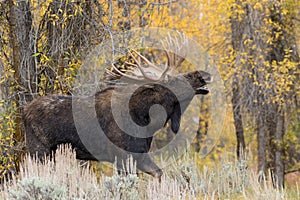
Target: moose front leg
x: 145, y: 164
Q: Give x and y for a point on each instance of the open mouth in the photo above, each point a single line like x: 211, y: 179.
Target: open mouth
x: 202, y: 90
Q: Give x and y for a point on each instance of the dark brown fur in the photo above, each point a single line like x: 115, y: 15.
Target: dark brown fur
x: 49, y: 120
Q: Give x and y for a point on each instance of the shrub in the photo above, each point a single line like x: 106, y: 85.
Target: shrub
x: 37, y: 188
x: 67, y: 179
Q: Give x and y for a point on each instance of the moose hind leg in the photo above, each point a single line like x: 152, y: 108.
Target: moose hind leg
x: 35, y: 147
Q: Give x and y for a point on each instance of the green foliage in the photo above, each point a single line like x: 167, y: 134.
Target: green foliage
x: 9, y: 149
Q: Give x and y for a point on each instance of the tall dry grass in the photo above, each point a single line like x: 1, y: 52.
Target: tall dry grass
x: 67, y: 179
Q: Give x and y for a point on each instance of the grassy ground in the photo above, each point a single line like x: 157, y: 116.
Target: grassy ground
x: 183, y: 179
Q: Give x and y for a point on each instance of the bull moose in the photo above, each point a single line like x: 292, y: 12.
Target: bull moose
x: 49, y: 120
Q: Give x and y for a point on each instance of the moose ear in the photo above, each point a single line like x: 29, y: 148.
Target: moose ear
x: 175, y: 118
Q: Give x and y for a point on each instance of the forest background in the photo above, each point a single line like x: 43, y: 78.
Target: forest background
x: 254, y: 44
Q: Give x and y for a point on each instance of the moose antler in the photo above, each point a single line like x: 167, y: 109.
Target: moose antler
x: 139, y: 73
x: 176, y: 51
